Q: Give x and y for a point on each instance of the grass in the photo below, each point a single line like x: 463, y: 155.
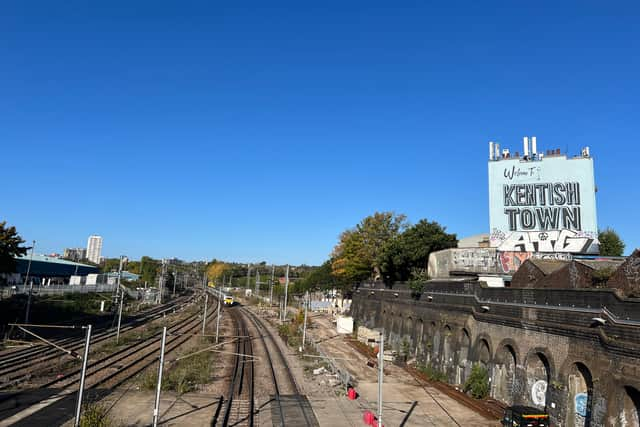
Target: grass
x: 96, y: 415
x: 182, y: 376
x: 432, y: 373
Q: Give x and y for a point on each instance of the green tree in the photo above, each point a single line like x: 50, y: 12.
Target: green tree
x: 358, y: 255
x: 410, y: 250
x: 320, y: 278
x: 10, y: 247
x: 149, y: 269
x: 610, y: 243
x: 110, y: 264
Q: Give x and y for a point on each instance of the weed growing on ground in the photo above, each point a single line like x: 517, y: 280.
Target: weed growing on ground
x: 182, y: 376
x: 432, y: 373
x: 96, y: 415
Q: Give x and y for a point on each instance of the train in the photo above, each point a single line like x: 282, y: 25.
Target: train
x: 228, y: 300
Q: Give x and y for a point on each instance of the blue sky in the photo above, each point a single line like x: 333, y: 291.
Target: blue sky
x: 259, y: 131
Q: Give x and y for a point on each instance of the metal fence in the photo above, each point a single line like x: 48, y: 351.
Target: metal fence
x: 56, y: 289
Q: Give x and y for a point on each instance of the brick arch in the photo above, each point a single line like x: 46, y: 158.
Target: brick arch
x: 544, y: 351
x: 477, y: 349
x: 504, y: 371
x: 578, y: 378
x: 540, y: 372
x: 464, y: 344
x: 507, y: 342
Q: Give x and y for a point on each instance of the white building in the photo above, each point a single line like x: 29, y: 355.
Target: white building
x: 94, y: 249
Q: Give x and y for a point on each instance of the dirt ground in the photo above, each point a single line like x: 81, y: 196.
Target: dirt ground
x: 134, y: 407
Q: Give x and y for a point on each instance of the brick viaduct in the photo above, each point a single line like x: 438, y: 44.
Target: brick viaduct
x: 541, y: 347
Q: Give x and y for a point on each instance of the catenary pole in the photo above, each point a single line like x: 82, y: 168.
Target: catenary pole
x: 121, y: 301
x: 218, y: 318
x: 273, y: 272
x: 156, y: 408
x: 304, y: 328
x: 286, y: 291
x: 204, y: 316
x: 82, y: 376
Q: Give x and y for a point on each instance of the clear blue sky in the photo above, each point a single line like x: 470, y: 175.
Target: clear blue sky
x: 259, y: 131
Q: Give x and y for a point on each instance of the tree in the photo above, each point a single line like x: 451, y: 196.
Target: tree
x: 320, y: 278
x: 358, y: 255
x: 216, y: 269
x: 410, y: 250
x: 610, y: 243
x: 149, y: 269
x: 110, y: 264
x: 10, y: 247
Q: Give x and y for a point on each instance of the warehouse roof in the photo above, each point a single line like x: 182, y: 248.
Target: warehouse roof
x: 45, y: 258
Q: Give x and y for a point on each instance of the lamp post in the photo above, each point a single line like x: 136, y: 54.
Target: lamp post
x: 26, y: 279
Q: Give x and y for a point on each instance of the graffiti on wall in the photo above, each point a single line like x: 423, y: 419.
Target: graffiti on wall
x: 510, y: 261
x: 580, y: 402
x: 568, y: 241
x: 539, y: 392
x: 473, y: 260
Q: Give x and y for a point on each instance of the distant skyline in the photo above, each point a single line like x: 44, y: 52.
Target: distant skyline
x: 259, y: 132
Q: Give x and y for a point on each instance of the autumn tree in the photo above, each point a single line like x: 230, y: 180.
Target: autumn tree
x: 610, y: 243
x: 10, y: 247
x: 216, y: 269
x: 358, y: 255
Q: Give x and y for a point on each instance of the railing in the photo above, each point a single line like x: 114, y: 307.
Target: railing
x: 56, y: 289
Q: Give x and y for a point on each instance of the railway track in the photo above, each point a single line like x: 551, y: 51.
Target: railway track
x: 286, y: 409
x: 21, y: 365
x: 239, y: 406
x: 102, y: 375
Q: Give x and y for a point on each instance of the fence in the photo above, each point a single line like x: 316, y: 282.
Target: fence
x: 56, y: 289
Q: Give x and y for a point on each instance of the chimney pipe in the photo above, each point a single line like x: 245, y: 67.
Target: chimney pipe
x: 534, y: 145
x: 497, y: 147
x: 525, y: 143
x: 490, y: 150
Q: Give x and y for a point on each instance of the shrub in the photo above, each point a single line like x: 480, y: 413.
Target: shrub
x: 478, y: 382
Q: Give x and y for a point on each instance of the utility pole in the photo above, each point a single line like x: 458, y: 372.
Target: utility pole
x: 218, y: 318
x: 304, y: 328
x: 26, y: 279
x: 257, y: 282
x: 286, y: 291
x: 204, y: 316
x: 156, y: 408
x: 121, y: 300
x: 380, y: 376
x: 82, y: 376
x: 162, y: 274
x: 273, y: 272
x: 175, y: 279
x: 248, y: 274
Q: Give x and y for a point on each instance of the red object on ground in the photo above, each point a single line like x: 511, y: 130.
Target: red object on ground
x: 352, y: 393
x: 368, y: 417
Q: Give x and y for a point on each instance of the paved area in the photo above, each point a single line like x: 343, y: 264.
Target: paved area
x: 400, y: 390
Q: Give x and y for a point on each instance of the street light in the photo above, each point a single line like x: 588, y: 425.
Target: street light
x: 26, y: 279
